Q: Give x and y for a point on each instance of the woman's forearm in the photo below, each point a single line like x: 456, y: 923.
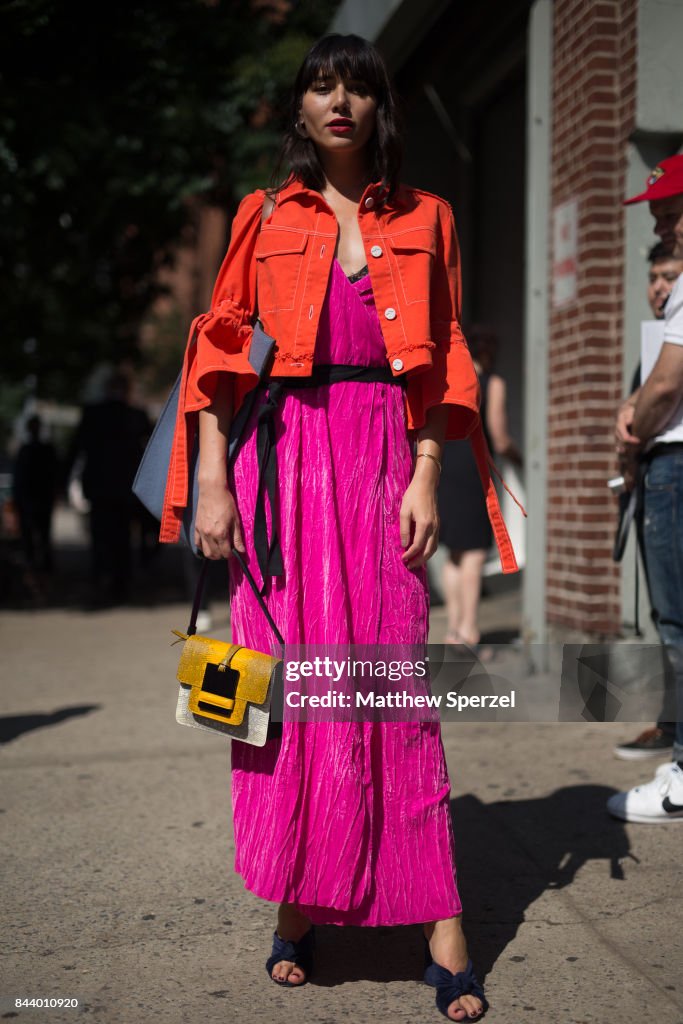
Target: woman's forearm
x: 430, y: 441
x: 218, y: 532
x: 214, y: 431
x: 419, y: 517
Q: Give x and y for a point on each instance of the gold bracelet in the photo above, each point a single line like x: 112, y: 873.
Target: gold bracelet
x: 427, y: 455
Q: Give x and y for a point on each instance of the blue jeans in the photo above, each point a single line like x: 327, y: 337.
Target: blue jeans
x: 662, y: 529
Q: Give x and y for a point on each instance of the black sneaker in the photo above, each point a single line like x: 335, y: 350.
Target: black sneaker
x: 651, y: 743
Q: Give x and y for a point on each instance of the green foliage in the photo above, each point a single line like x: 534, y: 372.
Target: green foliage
x: 111, y: 119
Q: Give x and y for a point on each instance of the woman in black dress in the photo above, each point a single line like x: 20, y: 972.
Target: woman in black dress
x: 465, y: 527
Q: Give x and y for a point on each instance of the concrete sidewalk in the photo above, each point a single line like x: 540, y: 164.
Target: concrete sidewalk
x: 119, y: 889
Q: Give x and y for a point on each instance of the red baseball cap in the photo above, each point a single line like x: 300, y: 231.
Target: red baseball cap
x: 664, y: 181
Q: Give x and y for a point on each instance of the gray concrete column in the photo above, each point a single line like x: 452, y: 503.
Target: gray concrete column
x: 536, y: 326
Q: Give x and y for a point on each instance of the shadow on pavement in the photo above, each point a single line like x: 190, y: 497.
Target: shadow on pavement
x: 13, y: 726
x: 499, y: 636
x: 508, y: 854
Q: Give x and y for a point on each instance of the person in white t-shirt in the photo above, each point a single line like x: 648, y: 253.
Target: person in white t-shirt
x: 656, y: 429
x: 664, y: 270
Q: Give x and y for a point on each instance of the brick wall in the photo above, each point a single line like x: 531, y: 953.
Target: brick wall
x: 594, y: 81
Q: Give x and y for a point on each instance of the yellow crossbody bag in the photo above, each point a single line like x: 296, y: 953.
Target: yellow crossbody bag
x: 226, y: 688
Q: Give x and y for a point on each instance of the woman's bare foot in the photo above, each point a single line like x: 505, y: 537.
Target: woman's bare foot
x: 448, y: 948
x: 291, y: 926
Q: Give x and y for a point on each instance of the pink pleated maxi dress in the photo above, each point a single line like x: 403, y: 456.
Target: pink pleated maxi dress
x: 349, y: 820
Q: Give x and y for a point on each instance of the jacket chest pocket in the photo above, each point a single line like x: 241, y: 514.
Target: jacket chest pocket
x: 414, y: 252
x: 280, y: 260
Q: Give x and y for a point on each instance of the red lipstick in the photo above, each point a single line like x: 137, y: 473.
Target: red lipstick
x: 341, y: 125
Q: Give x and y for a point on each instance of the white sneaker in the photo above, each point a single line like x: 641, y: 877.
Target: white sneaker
x: 656, y: 801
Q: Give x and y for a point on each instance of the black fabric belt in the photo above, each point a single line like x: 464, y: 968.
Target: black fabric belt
x: 268, y: 552
x: 663, y: 449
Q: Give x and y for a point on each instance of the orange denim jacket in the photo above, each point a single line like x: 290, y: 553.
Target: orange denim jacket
x: 412, y: 254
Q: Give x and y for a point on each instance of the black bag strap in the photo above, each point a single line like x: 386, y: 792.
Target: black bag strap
x: 628, y: 503
x: 630, y: 509
x: 192, y: 628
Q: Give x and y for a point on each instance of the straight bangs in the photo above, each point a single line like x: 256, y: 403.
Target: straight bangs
x: 345, y: 57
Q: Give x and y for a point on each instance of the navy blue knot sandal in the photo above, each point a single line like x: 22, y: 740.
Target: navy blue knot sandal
x: 451, y: 986
x: 299, y: 953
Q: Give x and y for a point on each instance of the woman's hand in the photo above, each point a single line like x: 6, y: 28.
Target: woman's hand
x: 419, y: 511
x: 217, y: 528
x: 419, y: 515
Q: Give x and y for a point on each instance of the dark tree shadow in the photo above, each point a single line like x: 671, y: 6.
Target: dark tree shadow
x: 507, y: 853
x: 13, y: 726
x: 165, y: 576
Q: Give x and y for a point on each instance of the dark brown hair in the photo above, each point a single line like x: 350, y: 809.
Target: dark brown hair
x: 658, y: 252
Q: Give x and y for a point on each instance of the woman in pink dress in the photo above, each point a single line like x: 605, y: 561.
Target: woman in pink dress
x: 339, y: 822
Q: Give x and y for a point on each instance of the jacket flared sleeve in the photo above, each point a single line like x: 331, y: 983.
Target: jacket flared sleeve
x: 452, y: 379
x: 218, y: 342
x: 219, y: 339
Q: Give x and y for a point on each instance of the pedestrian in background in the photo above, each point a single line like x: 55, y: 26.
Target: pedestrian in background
x: 111, y: 438
x: 34, y: 490
x: 464, y: 521
x: 664, y: 270
x: 654, y: 426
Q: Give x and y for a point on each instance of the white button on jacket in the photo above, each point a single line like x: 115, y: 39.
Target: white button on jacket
x: 376, y: 250
x: 390, y: 313
x: 397, y: 364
